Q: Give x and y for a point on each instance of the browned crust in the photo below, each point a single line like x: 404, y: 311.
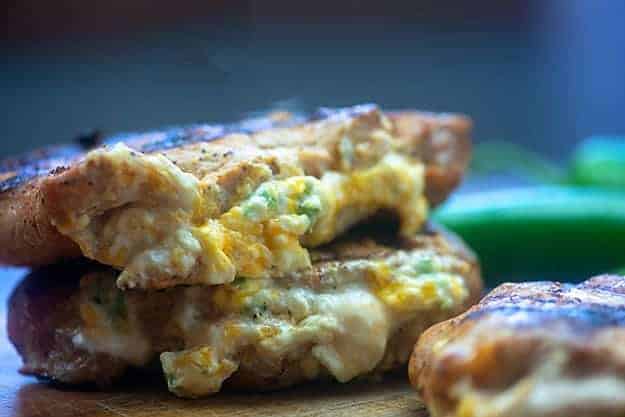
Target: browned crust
x: 43, y: 314
x: 45, y: 182
x: 26, y: 235
x: 443, y: 142
x: 515, y: 329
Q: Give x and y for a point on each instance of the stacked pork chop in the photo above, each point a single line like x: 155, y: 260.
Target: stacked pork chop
x: 259, y: 254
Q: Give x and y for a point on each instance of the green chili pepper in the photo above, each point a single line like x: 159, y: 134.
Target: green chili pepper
x: 547, y: 232
x: 597, y: 161
x: 493, y: 157
x: 600, y: 161
x: 620, y: 270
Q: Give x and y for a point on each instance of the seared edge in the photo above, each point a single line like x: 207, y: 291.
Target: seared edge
x: 33, y: 186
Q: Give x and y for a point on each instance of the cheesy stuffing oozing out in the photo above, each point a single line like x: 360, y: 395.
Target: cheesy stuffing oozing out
x: 171, y: 234
x: 256, y: 308
x: 341, y: 327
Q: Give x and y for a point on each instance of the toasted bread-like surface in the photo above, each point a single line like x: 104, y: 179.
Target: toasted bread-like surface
x: 47, y: 184
x: 530, y: 349
x: 50, y: 320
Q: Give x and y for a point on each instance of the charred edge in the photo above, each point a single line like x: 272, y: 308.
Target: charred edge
x: 328, y: 112
x: 89, y: 140
x: 177, y: 137
x: 34, y: 164
x: 41, y: 158
x: 17, y: 180
x: 43, y: 161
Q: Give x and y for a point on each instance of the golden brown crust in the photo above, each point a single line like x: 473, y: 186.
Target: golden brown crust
x: 521, y: 341
x: 26, y: 235
x: 43, y: 186
x: 443, y: 142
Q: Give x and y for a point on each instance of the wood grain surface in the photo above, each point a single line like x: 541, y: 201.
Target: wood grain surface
x: 24, y: 396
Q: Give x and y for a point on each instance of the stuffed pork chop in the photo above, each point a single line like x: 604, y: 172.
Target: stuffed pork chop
x: 206, y: 204
x: 358, y: 310
x: 529, y: 350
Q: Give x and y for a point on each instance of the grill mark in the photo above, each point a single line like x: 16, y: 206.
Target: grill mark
x: 540, y: 303
x: 581, y: 317
x: 176, y: 137
x: 18, y: 179
x: 607, y: 283
x: 44, y: 161
x: 39, y: 157
x: 519, y: 297
x: 89, y: 140
x: 558, y: 294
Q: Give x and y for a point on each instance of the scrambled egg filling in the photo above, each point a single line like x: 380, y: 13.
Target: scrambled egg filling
x: 342, y: 328
x: 262, y: 234
x: 418, y: 282
x: 163, y: 235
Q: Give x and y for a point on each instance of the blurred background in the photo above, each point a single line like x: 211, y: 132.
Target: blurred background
x: 543, y: 74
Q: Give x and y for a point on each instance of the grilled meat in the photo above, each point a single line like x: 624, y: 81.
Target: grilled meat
x: 204, y: 204
x: 530, y: 349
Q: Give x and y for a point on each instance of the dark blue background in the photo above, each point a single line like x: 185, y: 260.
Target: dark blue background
x: 543, y: 74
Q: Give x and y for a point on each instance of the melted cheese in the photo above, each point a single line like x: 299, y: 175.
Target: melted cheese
x: 165, y: 232
x: 546, y: 390
x: 194, y: 372
x: 352, y: 351
x: 342, y: 328
x: 394, y: 183
x: 110, y: 324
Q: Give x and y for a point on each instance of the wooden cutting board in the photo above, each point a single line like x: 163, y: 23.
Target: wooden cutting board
x: 25, y: 397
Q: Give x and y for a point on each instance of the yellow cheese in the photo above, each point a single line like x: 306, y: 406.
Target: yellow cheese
x: 342, y: 328
x: 164, y: 234
x: 195, y: 372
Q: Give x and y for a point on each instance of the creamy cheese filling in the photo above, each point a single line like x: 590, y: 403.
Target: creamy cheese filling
x: 167, y: 236
x: 110, y: 324
x: 546, y: 390
x: 341, y: 326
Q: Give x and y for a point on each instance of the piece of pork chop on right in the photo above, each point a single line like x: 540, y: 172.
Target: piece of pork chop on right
x: 535, y: 349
